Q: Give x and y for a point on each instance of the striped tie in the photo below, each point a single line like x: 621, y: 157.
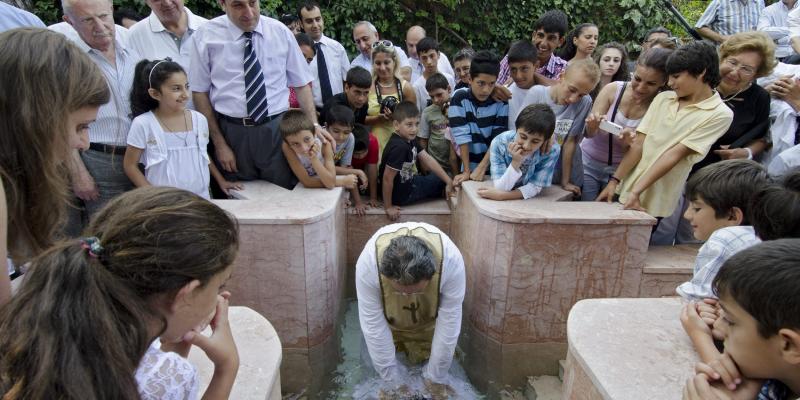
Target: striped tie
x: 255, y: 90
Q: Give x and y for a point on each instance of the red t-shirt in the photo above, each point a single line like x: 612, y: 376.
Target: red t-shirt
x: 370, y: 158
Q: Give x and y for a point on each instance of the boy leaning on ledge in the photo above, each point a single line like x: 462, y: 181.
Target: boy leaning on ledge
x: 400, y: 180
x: 519, y: 169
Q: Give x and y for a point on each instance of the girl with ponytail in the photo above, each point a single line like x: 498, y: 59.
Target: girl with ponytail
x: 89, y: 320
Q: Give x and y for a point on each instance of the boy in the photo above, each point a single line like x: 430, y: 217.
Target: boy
x: 570, y: 102
x: 519, y: 169
x: 356, y: 91
x: 720, y: 194
x: 365, y: 158
x: 760, y: 324
x: 340, y: 125
x: 433, y: 129
x: 310, y: 159
x: 471, y: 133
x: 775, y: 209
x: 548, y: 35
x: 522, y: 61
x: 401, y: 184
x: 461, y: 63
x: 428, y: 51
x: 676, y: 132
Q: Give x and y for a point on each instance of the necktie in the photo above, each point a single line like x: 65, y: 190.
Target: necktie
x: 255, y: 90
x: 322, y: 71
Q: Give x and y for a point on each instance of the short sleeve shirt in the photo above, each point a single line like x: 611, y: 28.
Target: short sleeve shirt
x: 696, y: 126
x: 343, y: 154
x: 371, y: 157
x: 401, y: 156
x: 434, y: 127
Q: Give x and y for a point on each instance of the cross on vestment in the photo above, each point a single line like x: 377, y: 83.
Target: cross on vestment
x: 413, y: 310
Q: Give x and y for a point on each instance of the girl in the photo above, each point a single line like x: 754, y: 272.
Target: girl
x: 51, y: 93
x: 172, y: 139
x: 154, y: 270
x: 386, y: 86
x: 580, y: 42
x: 613, y: 61
x: 624, y: 104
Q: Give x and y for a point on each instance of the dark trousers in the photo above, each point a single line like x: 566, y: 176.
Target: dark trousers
x: 424, y: 187
x: 258, y: 153
x: 109, y: 176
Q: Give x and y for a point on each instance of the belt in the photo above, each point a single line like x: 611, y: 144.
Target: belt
x: 107, y: 148
x: 247, y: 121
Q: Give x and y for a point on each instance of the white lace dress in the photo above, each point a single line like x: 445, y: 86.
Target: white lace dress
x: 166, y: 376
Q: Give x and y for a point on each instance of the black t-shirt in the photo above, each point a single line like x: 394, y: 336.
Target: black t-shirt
x: 341, y: 99
x: 401, y: 155
x: 750, y: 115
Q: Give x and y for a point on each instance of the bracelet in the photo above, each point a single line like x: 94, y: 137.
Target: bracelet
x: 614, y: 178
x: 749, y: 153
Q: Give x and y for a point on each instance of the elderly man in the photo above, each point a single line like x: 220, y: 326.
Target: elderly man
x: 413, y: 36
x: 330, y: 64
x: 165, y: 32
x: 410, y: 284
x: 97, y: 174
x: 242, y: 66
x: 365, y: 35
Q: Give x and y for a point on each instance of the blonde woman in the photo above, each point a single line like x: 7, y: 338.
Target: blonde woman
x: 387, y: 90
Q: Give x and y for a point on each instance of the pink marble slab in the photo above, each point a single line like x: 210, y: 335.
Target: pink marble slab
x: 627, y: 349
x: 262, y: 202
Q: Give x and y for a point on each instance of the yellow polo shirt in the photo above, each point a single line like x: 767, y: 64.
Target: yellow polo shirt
x: 695, y: 126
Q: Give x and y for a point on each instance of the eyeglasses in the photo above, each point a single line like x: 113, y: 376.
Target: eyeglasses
x: 745, y: 70
x: 383, y: 43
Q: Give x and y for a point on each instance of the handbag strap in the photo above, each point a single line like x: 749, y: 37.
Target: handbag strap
x: 613, y: 117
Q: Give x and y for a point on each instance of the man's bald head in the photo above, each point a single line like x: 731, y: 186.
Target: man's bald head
x: 413, y: 36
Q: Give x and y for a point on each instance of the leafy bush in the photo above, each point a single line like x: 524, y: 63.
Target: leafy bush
x: 457, y: 23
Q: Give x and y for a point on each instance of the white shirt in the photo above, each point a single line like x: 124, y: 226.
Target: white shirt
x: 793, y: 22
x: 785, y: 161
x: 774, y: 21
x: 154, y: 42
x: 338, y: 64
x: 113, y: 122
x: 422, y: 92
x: 782, y: 115
x: 362, y: 61
x: 166, y: 376
x: 377, y: 333
x: 443, y: 67
x: 121, y: 33
x: 516, y: 104
x: 217, y: 64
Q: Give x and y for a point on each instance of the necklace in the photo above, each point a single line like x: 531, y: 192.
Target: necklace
x: 166, y: 127
x: 384, y: 86
x: 732, y: 97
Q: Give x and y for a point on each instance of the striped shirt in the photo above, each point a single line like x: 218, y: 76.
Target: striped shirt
x: 722, y: 244
x: 727, y: 17
x: 552, y: 70
x: 476, y: 123
x: 113, y: 119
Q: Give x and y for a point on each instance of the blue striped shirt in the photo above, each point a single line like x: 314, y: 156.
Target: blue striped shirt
x: 535, y: 170
x: 728, y: 17
x: 475, y: 122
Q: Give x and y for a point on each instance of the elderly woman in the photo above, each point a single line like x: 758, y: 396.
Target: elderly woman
x: 743, y: 58
x: 387, y: 90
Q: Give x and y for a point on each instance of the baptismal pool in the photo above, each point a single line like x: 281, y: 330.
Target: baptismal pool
x: 355, y: 378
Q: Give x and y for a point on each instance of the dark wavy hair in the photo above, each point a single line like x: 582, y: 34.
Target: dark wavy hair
x: 150, y: 74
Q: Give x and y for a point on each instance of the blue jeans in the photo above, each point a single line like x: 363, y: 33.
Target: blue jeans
x: 424, y: 187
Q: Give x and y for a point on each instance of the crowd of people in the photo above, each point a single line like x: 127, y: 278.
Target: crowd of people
x: 701, y: 135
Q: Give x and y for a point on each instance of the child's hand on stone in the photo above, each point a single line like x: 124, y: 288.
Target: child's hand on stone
x: 362, y: 177
x: 708, y: 311
x: 692, y: 323
x: 723, y: 368
x: 699, y: 387
x: 350, y: 181
x: 393, y: 213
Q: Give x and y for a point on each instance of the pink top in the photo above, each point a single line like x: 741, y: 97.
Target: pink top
x: 597, y: 147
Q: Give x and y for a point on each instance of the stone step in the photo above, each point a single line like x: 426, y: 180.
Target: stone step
x: 544, y: 387
x: 666, y: 267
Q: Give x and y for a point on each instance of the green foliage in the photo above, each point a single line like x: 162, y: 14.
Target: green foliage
x: 458, y: 23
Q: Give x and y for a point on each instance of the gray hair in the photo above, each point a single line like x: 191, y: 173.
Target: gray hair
x: 407, y: 260
x: 368, y: 25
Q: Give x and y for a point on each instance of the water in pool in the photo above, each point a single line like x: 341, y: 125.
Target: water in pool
x: 352, y: 379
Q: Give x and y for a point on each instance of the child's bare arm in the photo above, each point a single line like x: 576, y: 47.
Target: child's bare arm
x: 372, y: 178
x: 497, y: 194
x: 465, y: 173
x: 480, y: 171
x: 628, y: 163
x: 393, y: 212
x: 221, y: 350
x: 326, y: 171
x: 299, y: 171
x: 131, y: 166
x: 429, y: 162
x: 453, y: 161
x: 699, y: 332
x: 663, y: 164
x: 567, y: 152
x: 223, y: 183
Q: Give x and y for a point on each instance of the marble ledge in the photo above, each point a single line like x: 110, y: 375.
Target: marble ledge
x: 550, y: 207
x: 425, y: 207
x: 263, y: 203
x: 626, y: 353
x: 677, y: 259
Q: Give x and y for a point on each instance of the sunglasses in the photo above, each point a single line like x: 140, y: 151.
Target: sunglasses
x: 383, y: 43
